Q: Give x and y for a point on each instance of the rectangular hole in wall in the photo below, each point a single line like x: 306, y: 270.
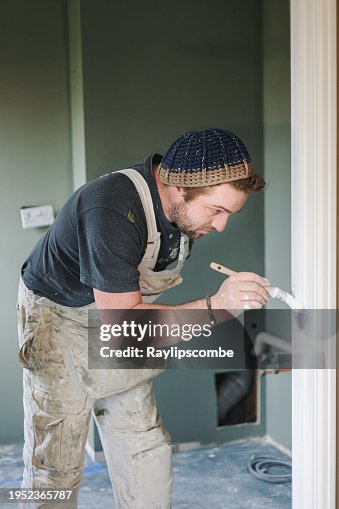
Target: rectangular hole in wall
x: 237, y: 397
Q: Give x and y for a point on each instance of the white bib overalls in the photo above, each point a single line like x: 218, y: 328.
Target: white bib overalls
x: 60, y: 392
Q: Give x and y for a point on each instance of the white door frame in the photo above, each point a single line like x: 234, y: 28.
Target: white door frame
x: 314, y: 237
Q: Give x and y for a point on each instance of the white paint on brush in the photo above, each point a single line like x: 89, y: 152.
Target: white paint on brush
x: 277, y: 293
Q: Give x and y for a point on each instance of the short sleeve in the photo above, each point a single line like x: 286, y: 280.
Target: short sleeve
x: 111, y: 248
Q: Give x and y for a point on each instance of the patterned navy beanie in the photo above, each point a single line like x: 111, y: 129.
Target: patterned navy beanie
x: 205, y: 158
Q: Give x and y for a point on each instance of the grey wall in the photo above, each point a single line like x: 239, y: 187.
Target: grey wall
x: 276, y: 93
x: 152, y: 72
x: 34, y: 159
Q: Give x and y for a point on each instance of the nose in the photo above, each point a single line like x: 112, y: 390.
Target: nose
x: 219, y: 223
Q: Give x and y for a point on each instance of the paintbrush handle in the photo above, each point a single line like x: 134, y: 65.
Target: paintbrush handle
x: 222, y: 269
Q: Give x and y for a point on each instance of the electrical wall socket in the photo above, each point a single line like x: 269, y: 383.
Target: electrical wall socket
x: 33, y: 217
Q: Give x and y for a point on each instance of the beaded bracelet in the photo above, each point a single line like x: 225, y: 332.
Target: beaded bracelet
x: 210, y: 311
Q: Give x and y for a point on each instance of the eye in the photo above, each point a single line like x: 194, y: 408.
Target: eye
x: 214, y: 211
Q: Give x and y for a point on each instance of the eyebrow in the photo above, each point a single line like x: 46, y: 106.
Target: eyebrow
x: 226, y: 210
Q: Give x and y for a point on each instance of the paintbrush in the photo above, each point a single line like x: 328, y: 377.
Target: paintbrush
x: 274, y: 291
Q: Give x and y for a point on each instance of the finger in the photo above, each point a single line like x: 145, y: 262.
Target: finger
x: 253, y: 297
x: 252, y: 305
x: 250, y: 277
x: 255, y: 287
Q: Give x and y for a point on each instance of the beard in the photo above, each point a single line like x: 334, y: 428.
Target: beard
x: 179, y: 215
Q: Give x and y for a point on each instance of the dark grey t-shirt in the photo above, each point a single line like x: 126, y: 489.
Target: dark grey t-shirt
x: 98, y: 241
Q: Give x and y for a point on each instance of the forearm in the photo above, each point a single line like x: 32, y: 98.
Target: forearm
x: 133, y: 300
x: 194, y: 304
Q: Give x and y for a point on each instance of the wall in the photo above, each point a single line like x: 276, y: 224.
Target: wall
x: 35, y: 160
x: 276, y: 114
x: 151, y: 73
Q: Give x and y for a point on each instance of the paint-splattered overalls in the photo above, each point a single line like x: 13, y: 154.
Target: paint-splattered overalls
x: 60, y: 392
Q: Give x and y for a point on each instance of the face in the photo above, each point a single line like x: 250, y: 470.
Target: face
x: 206, y: 212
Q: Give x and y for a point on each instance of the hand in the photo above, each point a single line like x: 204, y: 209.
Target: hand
x: 243, y: 290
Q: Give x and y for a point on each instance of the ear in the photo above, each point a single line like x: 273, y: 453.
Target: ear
x: 181, y: 190
x: 176, y: 192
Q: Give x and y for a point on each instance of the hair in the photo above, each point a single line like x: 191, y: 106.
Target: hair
x: 251, y: 184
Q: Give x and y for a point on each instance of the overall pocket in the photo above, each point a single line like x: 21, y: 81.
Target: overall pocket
x: 28, y: 324
x: 59, y: 437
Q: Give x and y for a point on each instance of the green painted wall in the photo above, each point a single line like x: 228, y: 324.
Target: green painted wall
x: 151, y: 73
x: 35, y: 159
x: 276, y: 93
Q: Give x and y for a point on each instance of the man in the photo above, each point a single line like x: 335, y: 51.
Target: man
x: 110, y: 245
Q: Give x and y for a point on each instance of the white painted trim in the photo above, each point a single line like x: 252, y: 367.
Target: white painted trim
x: 76, y: 94
x: 314, y: 230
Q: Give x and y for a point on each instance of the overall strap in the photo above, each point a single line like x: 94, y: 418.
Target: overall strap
x: 153, y: 236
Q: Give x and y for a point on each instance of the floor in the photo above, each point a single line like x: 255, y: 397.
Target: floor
x: 215, y: 477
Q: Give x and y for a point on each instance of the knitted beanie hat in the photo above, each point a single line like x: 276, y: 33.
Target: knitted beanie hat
x: 205, y: 158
